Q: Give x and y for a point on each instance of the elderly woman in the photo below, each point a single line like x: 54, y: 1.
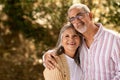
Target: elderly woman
x: 68, y: 62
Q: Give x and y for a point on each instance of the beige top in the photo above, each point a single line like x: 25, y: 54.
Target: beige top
x: 61, y: 72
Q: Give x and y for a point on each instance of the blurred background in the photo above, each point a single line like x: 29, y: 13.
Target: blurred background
x: 30, y: 27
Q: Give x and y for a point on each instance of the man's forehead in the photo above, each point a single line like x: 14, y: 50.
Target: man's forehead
x: 74, y: 11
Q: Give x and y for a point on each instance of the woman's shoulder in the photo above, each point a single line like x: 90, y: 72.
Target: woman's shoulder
x: 59, y: 72
x: 53, y: 74
x: 56, y: 73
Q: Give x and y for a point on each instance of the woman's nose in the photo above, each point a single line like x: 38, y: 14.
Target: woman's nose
x: 71, y: 38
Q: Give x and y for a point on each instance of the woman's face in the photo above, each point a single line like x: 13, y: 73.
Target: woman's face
x: 70, y: 40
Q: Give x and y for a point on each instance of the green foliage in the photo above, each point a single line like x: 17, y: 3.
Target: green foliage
x: 111, y: 13
x: 114, y: 16
x: 22, y: 39
x: 20, y: 71
x: 30, y: 27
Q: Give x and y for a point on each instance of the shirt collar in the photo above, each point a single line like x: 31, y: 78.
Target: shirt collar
x: 100, y: 31
x: 69, y: 58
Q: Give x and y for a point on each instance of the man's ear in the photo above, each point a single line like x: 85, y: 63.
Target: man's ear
x: 90, y: 15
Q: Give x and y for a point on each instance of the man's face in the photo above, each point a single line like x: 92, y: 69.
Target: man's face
x: 79, y: 18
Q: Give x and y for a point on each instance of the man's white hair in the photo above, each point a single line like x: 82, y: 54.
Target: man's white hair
x: 79, y: 6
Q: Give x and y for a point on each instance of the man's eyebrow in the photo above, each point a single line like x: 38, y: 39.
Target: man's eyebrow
x: 79, y: 13
x: 71, y: 17
x: 76, y: 15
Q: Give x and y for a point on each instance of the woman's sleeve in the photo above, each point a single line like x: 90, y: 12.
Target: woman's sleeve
x: 54, y: 74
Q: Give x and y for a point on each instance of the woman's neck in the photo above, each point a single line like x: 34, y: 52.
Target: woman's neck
x: 70, y: 53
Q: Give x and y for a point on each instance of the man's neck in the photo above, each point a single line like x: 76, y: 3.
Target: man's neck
x: 89, y: 34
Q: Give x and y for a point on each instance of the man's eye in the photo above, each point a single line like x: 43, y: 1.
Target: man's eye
x: 71, y: 19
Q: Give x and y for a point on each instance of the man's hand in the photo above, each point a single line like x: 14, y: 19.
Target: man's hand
x: 50, y: 59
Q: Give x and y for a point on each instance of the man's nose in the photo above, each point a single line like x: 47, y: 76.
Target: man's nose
x: 76, y: 20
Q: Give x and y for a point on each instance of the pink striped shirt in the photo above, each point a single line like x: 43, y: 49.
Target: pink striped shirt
x: 102, y: 60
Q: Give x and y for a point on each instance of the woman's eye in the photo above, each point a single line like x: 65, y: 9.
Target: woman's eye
x: 75, y: 36
x: 66, y: 36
